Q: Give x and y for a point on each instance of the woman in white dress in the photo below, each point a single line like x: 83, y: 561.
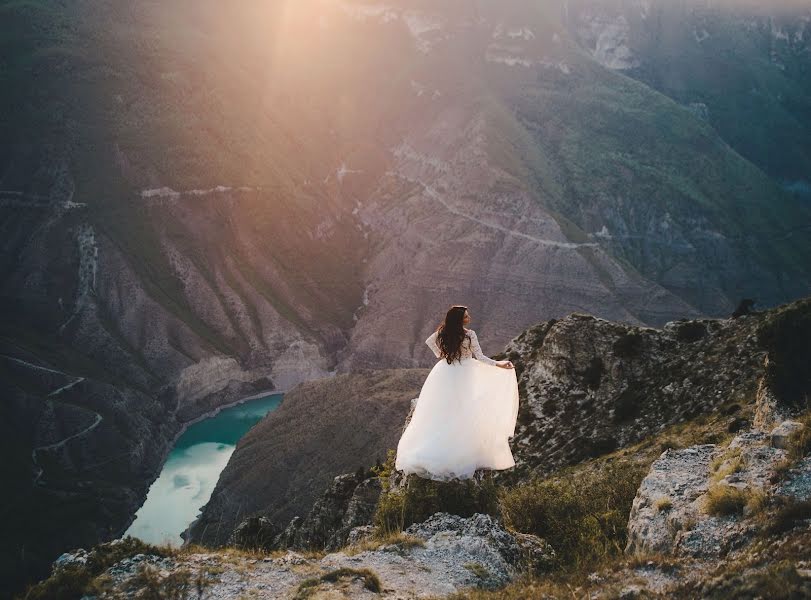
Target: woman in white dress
x: 466, y: 410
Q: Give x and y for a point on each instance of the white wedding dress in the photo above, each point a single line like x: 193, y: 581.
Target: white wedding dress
x: 464, y: 417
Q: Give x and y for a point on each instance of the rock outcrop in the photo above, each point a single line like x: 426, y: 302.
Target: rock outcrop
x: 589, y: 386
x: 713, y: 519
x: 349, y: 502
x: 443, y: 555
x: 674, y: 513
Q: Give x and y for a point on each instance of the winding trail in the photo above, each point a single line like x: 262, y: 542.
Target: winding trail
x: 98, y: 418
x: 434, y: 195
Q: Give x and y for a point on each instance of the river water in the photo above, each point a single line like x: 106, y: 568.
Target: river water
x: 191, y: 471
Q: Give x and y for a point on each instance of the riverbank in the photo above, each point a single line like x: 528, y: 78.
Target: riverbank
x: 184, y: 426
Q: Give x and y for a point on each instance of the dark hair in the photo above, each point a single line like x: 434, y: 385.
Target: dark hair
x: 451, y: 333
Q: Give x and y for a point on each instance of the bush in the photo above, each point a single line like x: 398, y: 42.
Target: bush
x: 799, y: 442
x: 663, y: 504
x: 788, y: 516
x: 787, y: 338
x: 582, y: 514
x: 417, y: 499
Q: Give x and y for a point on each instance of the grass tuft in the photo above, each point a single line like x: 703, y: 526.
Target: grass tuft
x: 663, y: 504
x: 149, y: 585
x: 370, y: 581
x: 582, y: 515
x: 399, y: 540
x: 478, y: 570
x: 726, y: 500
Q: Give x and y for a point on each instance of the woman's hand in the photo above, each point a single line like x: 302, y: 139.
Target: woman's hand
x: 505, y: 364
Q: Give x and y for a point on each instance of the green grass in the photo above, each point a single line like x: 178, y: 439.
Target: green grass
x: 726, y: 500
x: 581, y: 512
x: 416, y: 499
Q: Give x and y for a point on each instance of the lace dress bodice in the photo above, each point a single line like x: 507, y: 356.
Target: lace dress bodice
x: 470, y: 347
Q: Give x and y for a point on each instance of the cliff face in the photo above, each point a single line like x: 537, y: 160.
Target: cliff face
x: 589, y: 386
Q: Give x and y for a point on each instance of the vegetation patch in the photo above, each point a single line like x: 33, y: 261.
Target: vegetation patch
x: 726, y: 500
x: 787, y: 338
x: 799, y: 442
x: 582, y: 514
x: 149, y: 585
x: 726, y: 463
x: 779, y: 580
x: 398, y: 541
x: 789, y: 516
x: 75, y: 581
x: 418, y: 498
x: 478, y: 570
x: 370, y: 581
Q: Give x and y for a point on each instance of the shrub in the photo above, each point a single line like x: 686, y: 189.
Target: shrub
x: 787, y: 338
x: 582, y: 514
x: 416, y: 499
x: 799, y: 442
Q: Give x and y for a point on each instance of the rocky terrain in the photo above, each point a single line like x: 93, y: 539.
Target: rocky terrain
x: 197, y: 204
x: 714, y: 505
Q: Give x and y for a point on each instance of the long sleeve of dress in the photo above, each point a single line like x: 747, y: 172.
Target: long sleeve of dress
x: 477, y: 350
x: 431, y: 341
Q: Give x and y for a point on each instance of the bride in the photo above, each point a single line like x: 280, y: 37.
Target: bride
x: 466, y: 410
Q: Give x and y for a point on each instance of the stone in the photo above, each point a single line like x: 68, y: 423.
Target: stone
x: 349, y: 502
x: 781, y: 434
x: 254, y: 532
